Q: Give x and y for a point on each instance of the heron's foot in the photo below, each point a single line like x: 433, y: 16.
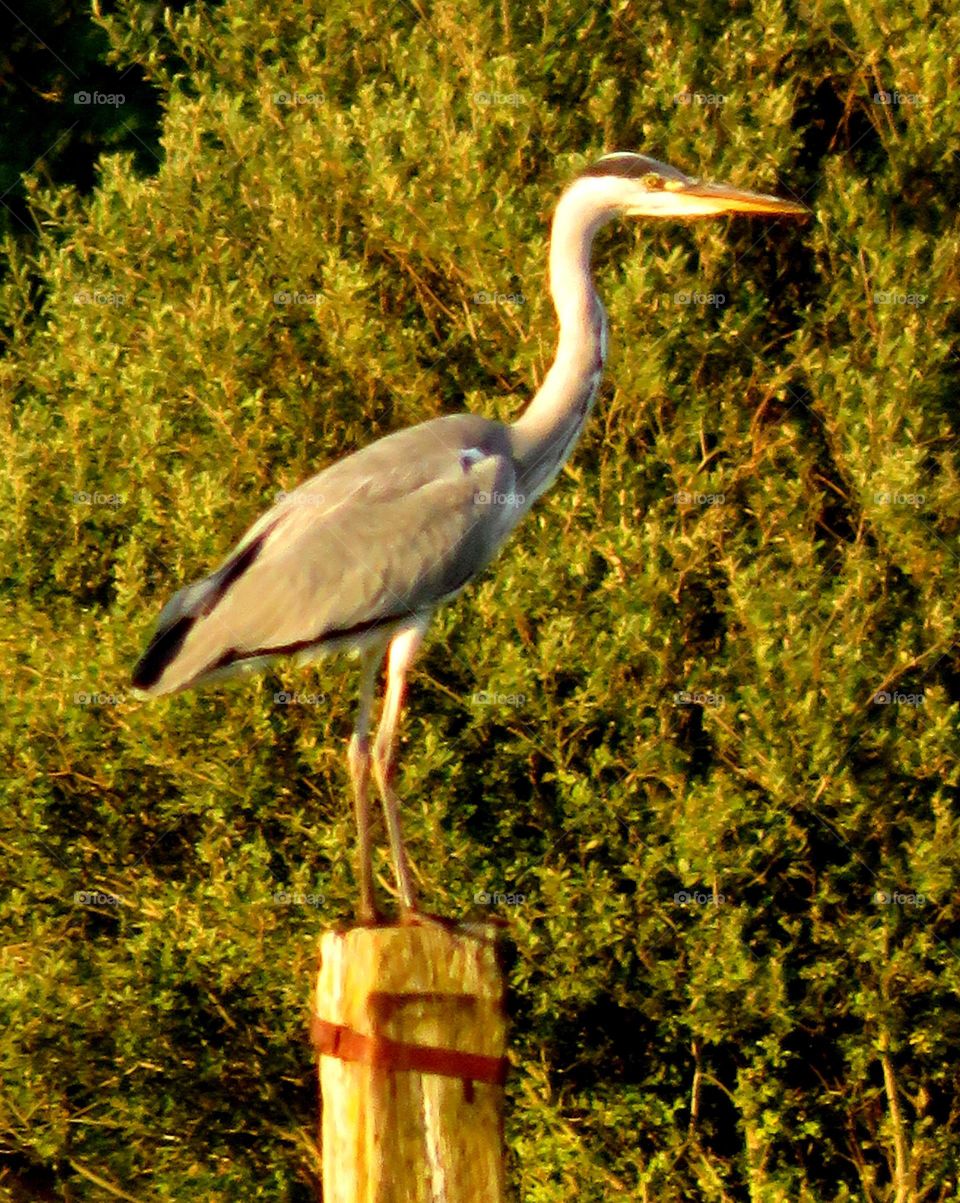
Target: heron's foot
x: 412, y: 917
x: 370, y: 915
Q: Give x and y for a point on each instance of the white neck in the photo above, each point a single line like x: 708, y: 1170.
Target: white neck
x: 548, y: 430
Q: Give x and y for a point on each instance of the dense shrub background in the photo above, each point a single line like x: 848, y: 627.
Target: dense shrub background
x: 337, y: 188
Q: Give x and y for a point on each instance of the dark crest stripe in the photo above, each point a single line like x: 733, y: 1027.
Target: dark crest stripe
x: 632, y: 167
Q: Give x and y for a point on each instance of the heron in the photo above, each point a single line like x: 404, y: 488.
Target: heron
x: 359, y: 557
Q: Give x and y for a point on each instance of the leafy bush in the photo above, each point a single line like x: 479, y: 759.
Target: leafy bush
x: 703, y: 713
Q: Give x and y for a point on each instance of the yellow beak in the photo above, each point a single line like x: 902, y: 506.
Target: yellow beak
x: 722, y: 198
x: 698, y: 199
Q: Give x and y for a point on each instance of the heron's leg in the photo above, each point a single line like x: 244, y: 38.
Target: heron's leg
x: 358, y: 759
x: 402, y: 651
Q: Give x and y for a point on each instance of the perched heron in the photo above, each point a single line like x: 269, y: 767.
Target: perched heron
x: 359, y: 556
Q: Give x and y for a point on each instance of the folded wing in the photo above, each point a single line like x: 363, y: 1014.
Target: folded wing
x: 379, y: 537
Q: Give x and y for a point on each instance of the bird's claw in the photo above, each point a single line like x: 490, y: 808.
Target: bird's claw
x: 411, y: 917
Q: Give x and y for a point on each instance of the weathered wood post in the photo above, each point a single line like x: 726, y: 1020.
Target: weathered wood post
x: 410, y: 1029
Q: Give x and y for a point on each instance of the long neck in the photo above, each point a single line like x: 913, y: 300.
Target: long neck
x: 548, y: 430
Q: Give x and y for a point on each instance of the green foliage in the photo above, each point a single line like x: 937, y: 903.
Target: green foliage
x: 736, y: 958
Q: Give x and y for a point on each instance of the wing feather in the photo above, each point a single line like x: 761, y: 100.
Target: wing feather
x: 380, y: 536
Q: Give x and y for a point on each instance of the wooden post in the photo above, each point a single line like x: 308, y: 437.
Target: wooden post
x: 410, y: 1029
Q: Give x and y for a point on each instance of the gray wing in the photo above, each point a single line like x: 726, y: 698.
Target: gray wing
x: 378, y: 538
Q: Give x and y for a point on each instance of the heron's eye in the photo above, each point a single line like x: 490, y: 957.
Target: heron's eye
x: 651, y: 181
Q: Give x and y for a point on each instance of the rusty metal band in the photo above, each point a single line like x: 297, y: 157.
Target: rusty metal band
x: 335, y: 1040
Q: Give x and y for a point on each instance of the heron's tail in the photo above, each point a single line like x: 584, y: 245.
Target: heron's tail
x: 178, y: 617
x: 162, y: 668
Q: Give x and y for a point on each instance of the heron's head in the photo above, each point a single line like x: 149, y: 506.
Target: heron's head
x: 638, y: 186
